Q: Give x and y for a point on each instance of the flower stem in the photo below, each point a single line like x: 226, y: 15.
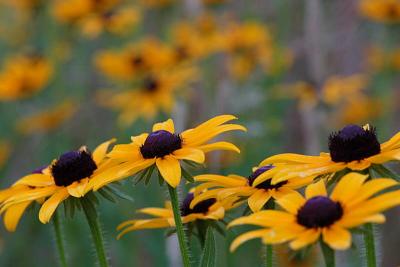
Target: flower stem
x: 179, y: 226
x: 94, y: 225
x: 268, y: 255
x: 370, y: 245
x: 329, y: 254
x: 59, y: 239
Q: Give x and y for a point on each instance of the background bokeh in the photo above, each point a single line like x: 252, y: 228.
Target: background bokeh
x: 76, y: 72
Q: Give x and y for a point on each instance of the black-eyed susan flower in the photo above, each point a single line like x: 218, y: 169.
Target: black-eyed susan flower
x: 165, y: 148
x: 209, y: 209
x: 23, y: 76
x: 155, y: 94
x: 386, y: 11
x: 45, y: 121
x: 353, y: 147
x: 303, y: 220
x: 68, y: 176
x: 224, y: 187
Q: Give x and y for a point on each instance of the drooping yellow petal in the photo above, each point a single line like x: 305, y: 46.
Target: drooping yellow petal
x: 294, y: 158
x: 145, y: 224
x: 377, y: 204
x: 51, y: 204
x: 392, y: 143
x: 306, y: 238
x: 13, y: 215
x: 78, y: 188
x: 248, y: 236
x: 100, y: 152
x: 316, y: 189
x: 350, y: 221
x: 167, y: 125
x: 158, y: 212
x: 348, y: 187
x: 258, y: 199
x: 358, y: 165
x: 203, y: 196
x: 223, y: 180
x: 336, y: 237
x: 219, y: 146
x: 385, y: 156
x: 191, y: 154
x: 170, y: 170
x: 36, y: 180
x: 291, y: 202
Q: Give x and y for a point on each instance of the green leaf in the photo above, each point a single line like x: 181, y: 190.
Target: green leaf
x: 170, y: 232
x: 187, y: 176
x: 208, y: 258
x: 149, y: 174
x: 106, y: 195
x: 385, y: 172
x: 218, y: 228
x: 336, y: 177
x: 160, y: 179
x: 142, y: 175
x: 115, y: 191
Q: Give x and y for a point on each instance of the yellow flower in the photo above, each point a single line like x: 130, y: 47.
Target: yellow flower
x: 165, y: 149
x: 23, y: 76
x: 156, y: 3
x: 210, y: 209
x: 353, y: 147
x: 119, y: 21
x: 387, y: 11
x: 155, y: 94
x: 224, y: 187
x: 5, y: 150
x: 358, y: 110
x: 66, y: 177
x: 337, y: 88
x: 45, y: 121
x: 303, y: 221
x: 304, y: 92
x: 136, y: 59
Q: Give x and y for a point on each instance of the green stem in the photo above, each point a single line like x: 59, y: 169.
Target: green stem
x: 370, y: 245
x: 268, y: 255
x: 329, y: 254
x: 94, y: 224
x: 179, y: 226
x: 59, y: 239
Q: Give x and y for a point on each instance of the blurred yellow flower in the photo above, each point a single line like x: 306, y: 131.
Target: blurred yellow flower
x: 339, y: 88
x: 23, y: 76
x: 47, y: 120
x: 156, y: 3
x: 5, y: 150
x: 358, y: 111
x: 155, y: 94
x: 302, y: 91
x: 387, y: 11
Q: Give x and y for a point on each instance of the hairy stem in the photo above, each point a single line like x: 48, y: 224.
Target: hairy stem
x: 59, y: 239
x: 329, y: 254
x: 370, y: 245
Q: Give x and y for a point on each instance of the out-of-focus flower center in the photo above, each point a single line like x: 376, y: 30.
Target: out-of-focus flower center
x: 159, y: 144
x: 73, y: 166
x: 319, y: 211
x: 137, y: 61
x: 266, y: 184
x: 201, y: 207
x: 150, y: 84
x: 353, y: 143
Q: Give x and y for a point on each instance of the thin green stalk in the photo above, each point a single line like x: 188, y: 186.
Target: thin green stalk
x: 59, y: 239
x: 268, y: 255
x: 179, y: 226
x: 94, y: 225
x: 329, y: 254
x: 370, y: 245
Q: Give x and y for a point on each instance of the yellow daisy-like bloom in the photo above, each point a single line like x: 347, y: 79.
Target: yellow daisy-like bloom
x: 165, y: 149
x: 386, y: 11
x: 338, y: 88
x: 156, y: 94
x: 352, y: 203
x: 353, y: 147
x: 23, y: 76
x: 119, y: 21
x: 223, y: 187
x: 66, y: 177
x: 210, y: 209
x: 47, y: 120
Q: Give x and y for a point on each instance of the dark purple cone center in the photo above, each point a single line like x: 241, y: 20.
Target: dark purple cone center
x: 319, y: 211
x: 150, y: 84
x: 353, y: 143
x: 201, y: 207
x: 73, y: 166
x: 266, y: 184
x: 159, y: 144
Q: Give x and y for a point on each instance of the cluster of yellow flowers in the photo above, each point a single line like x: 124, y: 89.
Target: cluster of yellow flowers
x: 345, y: 188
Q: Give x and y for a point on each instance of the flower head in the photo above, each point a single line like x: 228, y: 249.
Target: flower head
x: 302, y: 221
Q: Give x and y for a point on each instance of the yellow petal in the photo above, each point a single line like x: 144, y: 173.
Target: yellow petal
x: 191, y: 154
x: 78, y: 188
x: 170, y: 170
x: 258, y: 200
x: 358, y: 165
x: 48, y: 207
x: 291, y: 202
x: 13, y: 215
x: 100, y: 152
x: 158, y: 212
x: 348, y: 187
x: 385, y: 156
x: 139, y: 140
x: 167, y: 125
x: 316, y: 189
x: 306, y: 238
x: 219, y: 146
x: 144, y: 224
x: 293, y: 158
x: 248, y: 236
x: 202, y: 137
x: 223, y: 180
x: 36, y: 180
x: 377, y: 204
x: 336, y: 237
x: 203, y: 196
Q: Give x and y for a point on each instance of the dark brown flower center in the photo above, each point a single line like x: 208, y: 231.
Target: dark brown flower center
x: 201, y: 207
x: 318, y: 212
x: 150, y: 84
x: 73, y: 166
x: 353, y: 143
x: 267, y: 183
x: 159, y: 144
